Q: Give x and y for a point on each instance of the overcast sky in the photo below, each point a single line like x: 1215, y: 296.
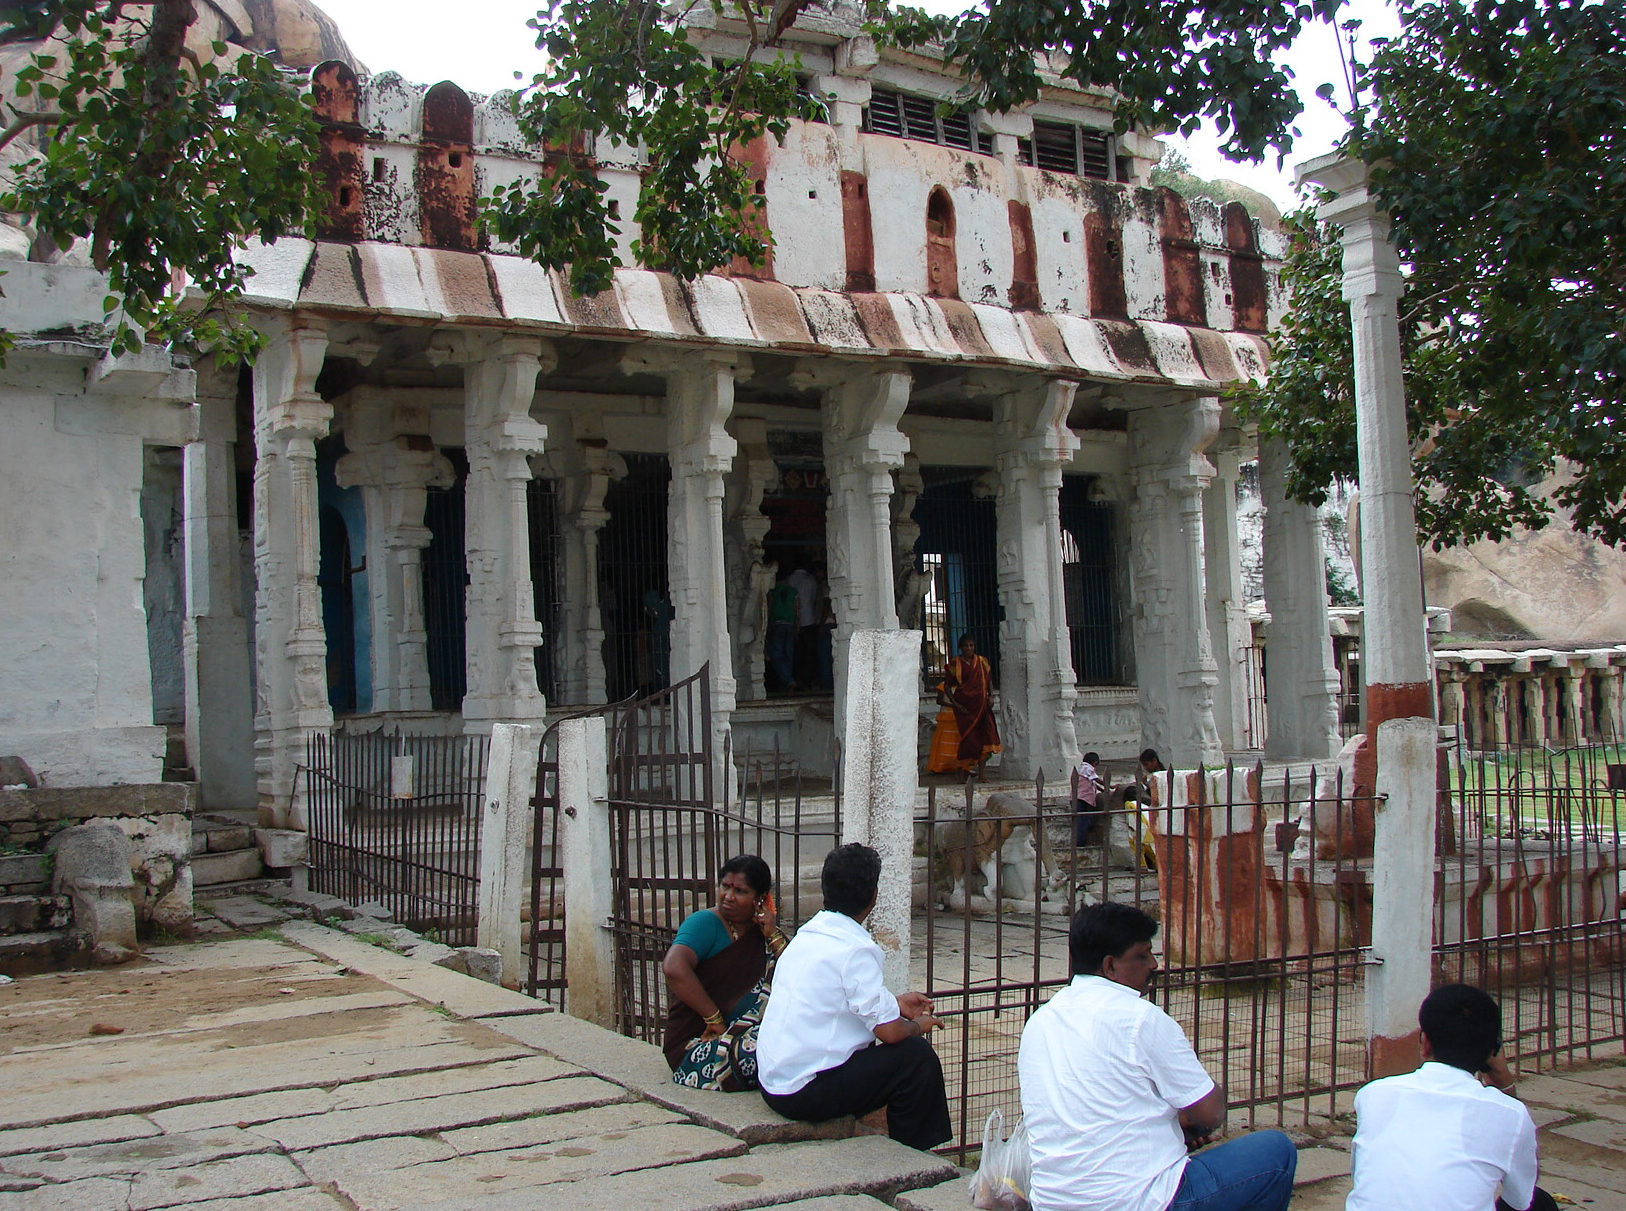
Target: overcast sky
x: 488, y: 41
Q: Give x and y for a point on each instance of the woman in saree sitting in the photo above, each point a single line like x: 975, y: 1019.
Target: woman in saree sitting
x: 717, y: 974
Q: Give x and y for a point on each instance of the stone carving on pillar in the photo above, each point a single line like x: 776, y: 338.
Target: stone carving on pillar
x: 584, y: 469
x: 862, y: 448
x: 750, y: 576
x: 394, y: 463
x: 912, y: 583
x: 500, y: 437
x: 1454, y: 698
x: 1037, y: 682
x: 290, y: 643
x: 1228, y: 626
x: 699, y: 402
x: 1173, y: 656
x: 1302, y: 701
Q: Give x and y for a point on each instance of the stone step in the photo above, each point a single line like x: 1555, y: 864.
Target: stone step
x: 25, y: 874
x: 27, y: 954
x: 216, y: 833
x: 232, y: 866
x: 34, y: 914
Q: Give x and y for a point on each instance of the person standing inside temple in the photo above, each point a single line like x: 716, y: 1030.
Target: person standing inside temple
x: 807, y: 601
x: 780, y: 648
x: 968, y: 690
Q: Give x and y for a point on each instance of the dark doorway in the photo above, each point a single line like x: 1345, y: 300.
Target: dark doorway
x: 633, y: 579
x: 1088, y: 577
x: 956, y: 546
x: 445, y: 588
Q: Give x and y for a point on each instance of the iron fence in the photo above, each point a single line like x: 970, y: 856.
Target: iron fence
x: 1260, y: 946
x: 1530, y: 898
x: 395, y: 820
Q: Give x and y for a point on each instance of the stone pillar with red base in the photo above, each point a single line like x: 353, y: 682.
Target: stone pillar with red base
x: 1397, y: 759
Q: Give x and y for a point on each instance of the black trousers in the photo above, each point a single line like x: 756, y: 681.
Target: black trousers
x: 906, y: 1078
x: 1541, y: 1202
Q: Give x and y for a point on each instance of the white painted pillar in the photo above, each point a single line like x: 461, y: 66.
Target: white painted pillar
x: 880, y: 775
x: 500, y: 437
x: 1399, y: 700
x: 584, y: 481
x: 1302, y: 684
x: 584, y: 841
x: 215, y: 638
x: 394, y: 464
x: 699, y: 401
x: 1173, y: 656
x: 1037, y: 683
x: 1228, y: 626
x: 862, y: 447
x: 505, y: 853
x: 750, y: 576
x: 289, y: 639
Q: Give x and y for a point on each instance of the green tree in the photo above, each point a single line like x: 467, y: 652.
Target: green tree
x: 1496, y: 144
x: 165, y: 161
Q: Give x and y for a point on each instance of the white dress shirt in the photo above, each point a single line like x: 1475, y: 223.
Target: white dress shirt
x: 826, y: 1002
x: 1104, y: 1075
x: 1437, y: 1138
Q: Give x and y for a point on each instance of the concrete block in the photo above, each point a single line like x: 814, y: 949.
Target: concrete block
x: 281, y: 848
x: 212, y: 870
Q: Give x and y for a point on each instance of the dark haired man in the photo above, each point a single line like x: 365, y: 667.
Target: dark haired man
x: 1438, y: 1137
x: 833, y: 1040
x: 1112, y: 1093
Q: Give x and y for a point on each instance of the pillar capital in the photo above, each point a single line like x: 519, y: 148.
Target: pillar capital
x: 287, y: 406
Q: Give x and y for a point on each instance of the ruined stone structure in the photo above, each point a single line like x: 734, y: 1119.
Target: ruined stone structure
x: 976, y: 388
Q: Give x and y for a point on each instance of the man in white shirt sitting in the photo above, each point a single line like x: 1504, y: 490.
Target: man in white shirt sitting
x: 1112, y: 1093
x: 1438, y: 1137
x: 833, y: 1040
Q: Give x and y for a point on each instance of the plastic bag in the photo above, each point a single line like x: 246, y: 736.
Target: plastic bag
x: 1001, y: 1180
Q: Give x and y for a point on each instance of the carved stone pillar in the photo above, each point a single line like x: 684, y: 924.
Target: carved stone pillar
x: 1302, y: 693
x: 1614, y: 702
x: 1228, y: 626
x: 1454, y: 699
x: 1037, y: 682
x: 395, y: 464
x: 911, y: 583
x: 1173, y: 656
x: 1574, y: 679
x: 750, y: 577
x: 500, y: 437
x: 584, y: 472
x: 1498, y: 721
x: 699, y: 401
x: 862, y: 447
x: 290, y: 645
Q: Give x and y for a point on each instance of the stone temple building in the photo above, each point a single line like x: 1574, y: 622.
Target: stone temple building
x: 974, y: 391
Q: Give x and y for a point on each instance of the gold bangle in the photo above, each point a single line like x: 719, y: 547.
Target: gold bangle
x: 714, y: 1019
x: 778, y: 940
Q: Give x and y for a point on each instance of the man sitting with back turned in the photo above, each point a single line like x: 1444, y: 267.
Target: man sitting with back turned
x: 1112, y: 1092
x: 833, y: 1040
x: 1437, y: 1137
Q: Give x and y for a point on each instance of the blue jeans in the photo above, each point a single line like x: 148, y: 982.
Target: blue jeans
x: 1250, y: 1173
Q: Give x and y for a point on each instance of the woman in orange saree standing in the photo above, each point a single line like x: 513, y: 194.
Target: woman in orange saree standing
x: 967, y: 690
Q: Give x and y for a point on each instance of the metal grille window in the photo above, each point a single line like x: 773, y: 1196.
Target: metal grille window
x: 956, y: 546
x: 633, y: 578
x: 1088, y: 586
x: 1062, y: 147
x: 907, y: 116
x: 445, y: 582
x: 542, y: 507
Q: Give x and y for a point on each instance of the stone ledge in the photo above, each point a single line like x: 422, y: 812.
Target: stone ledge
x: 91, y: 802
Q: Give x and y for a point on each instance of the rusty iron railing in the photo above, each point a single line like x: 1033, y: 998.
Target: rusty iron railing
x: 395, y: 820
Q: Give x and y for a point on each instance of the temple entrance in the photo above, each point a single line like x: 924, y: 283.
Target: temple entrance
x: 632, y: 570
x: 956, y: 550
x: 1089, y: 574
x: 801, y: 660
x: 445, y: 583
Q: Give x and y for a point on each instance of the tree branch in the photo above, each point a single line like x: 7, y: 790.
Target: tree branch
x: 23, y: 122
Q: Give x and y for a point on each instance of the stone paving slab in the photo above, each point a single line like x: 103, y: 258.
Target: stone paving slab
x: 282, y: 1200
x: 245, y: 912
x: 95, y: 1194
x: 642, y: 1069
x: 951, y: 1195
x: 438, y: 985
x: 440, y: 1113
x: 835, y: 1202
x: 55, y: 1136
x: 1319, y: 1164
x: 549, y: 1128
x: 572, y: 1161
x: 1605, y: 1133
x: 225, y: 1179
x: 294, y: 1103
x: 136, y: 1156
x: 766, y: 1176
